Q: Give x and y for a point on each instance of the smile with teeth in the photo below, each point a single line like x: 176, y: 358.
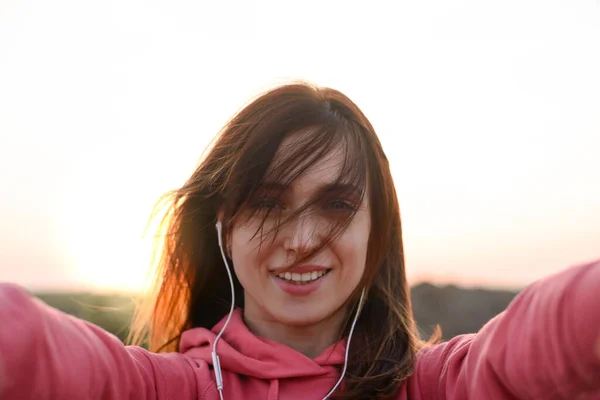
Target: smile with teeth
x: 302, y: 278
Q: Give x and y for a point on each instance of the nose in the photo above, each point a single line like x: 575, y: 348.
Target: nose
x: 304, y: 235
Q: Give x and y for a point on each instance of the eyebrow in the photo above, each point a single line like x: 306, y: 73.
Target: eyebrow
x: 329, y: 188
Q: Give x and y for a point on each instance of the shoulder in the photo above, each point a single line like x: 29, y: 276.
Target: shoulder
x: 176, y: 375
x: 435, y: 363
x: 434, y: 355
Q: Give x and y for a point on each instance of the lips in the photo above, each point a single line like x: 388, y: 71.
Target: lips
x: 300, y: 269
x: 302, y: 278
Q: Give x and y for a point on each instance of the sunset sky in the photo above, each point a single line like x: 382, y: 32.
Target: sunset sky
x: 489, y: 113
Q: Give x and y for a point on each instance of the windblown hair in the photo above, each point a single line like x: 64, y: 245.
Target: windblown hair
x: 191, y: 284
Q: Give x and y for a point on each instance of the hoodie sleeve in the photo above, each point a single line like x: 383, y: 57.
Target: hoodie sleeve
x: 45, y: 354
x: 544, y: 346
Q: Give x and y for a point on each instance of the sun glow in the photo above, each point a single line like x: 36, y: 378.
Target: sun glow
x: 105, y: 237
x: 106, y: 218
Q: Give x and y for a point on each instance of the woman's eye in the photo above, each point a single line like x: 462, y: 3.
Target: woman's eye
x: 342, y: 205
x: 268, y: 204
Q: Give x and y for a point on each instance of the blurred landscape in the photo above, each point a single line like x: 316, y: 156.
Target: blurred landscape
x: 457, y: 310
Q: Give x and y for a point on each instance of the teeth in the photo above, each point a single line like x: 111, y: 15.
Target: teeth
x: 304, y: 277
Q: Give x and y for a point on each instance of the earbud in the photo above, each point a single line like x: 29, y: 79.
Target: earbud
x: 219, y: 226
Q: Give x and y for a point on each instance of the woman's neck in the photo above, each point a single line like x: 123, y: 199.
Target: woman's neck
x: 310, y: 340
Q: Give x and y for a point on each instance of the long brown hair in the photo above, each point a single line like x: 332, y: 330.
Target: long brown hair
x: 191, y: 283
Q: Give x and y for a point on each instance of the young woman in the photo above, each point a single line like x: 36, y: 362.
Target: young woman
x: 282, y: 276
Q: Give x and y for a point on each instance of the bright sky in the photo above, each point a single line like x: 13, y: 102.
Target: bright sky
x: 488, y: 111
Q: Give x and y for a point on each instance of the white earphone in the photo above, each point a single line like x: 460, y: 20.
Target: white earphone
x: 215, y: 356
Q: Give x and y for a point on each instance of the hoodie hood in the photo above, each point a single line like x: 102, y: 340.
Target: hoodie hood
x: 241, y: 352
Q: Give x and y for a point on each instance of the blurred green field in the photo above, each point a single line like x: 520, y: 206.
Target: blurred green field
x: 111, y: 312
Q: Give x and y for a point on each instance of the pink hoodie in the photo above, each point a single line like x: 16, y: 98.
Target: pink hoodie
x: 540, y: 348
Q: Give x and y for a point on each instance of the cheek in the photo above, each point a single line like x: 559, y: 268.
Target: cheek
x: 353, y: 244
x: 244, y: 250
x: 353, y: 257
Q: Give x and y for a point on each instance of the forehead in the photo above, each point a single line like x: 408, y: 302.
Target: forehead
x: 323, y: 171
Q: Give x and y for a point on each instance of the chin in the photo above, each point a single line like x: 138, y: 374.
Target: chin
x: 299, y: 315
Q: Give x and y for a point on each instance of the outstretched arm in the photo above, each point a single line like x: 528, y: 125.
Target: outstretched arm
x: 544, y: 346
x: 45, y: 354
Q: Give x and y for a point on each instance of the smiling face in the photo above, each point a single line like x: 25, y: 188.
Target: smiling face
x: 317, y: 288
